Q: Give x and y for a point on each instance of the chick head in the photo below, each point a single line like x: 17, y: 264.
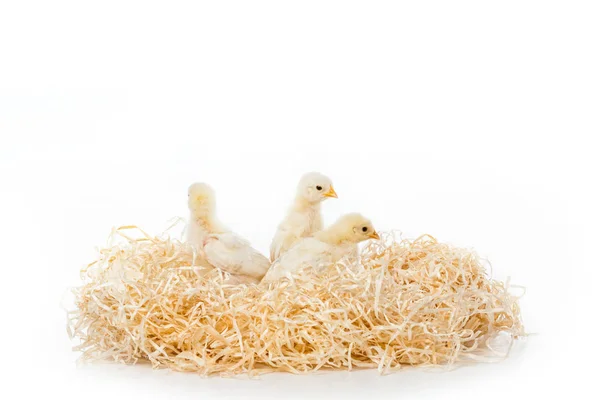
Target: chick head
x: 353, y: 228
x: 201, y: 199
x: 315, y: 187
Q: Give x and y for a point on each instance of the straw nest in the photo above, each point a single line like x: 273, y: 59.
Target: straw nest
x: 405, y: 302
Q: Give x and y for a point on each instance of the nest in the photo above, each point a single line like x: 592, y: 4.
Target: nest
x: 403, y: 302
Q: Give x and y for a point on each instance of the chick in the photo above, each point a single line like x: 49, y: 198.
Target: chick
x: 324, y: 247
x: 221, y: 248
x: 304, y: 217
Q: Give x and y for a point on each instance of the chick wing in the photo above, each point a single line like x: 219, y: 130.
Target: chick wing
x: 231, y: 253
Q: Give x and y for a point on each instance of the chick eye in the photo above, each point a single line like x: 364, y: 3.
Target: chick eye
x: 364, y: 229
x: 319, y: 187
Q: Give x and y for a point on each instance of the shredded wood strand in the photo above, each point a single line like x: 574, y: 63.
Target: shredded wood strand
x: 406, y: 302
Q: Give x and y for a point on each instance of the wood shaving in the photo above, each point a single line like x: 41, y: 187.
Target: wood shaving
x: 403, y: 302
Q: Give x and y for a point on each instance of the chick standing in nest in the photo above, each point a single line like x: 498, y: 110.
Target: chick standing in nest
x: 325, y: 247
x: 304, y: 217
x: 222, y: 248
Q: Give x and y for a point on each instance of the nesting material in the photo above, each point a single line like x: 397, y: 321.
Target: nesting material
x: 405, y: 302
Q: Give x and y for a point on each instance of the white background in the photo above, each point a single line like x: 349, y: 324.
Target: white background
x: 473, y: 121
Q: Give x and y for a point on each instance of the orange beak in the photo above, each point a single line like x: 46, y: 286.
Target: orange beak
x: 374, y: 235
x: 330, y: 193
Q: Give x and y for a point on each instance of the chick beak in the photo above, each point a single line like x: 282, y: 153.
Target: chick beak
x: 330, y: 193
x: 374, y: 235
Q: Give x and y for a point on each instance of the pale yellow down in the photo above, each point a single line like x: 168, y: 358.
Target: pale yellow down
x: 220, y: 247
x: 304, y: 216
x: 324, y: 247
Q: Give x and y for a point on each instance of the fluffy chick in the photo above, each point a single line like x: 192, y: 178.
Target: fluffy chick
x: 304, y: 217
x: 222, y: 248
x: 325, y: 247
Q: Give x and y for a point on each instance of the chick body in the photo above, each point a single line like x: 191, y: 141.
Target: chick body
x: 304, y: 216
x: 221, y: 248
x: 230, y: 252
x: 325, y: 247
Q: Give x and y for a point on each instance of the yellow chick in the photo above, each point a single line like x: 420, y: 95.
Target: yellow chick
x: 221, y: 248
x: 304, y: 217
x: 324, y: 247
